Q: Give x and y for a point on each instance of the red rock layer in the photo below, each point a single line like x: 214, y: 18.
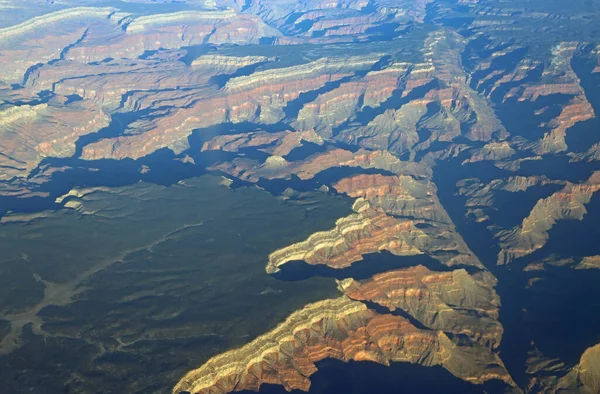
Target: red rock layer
x: 338, y: 329
x: 453, y: 301
x: 258, y: 98
x: 31, y: 133
x: 371, y: 230
x: 532, y: 234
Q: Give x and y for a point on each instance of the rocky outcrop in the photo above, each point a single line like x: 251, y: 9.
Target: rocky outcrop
x: 29, y: 133
x: 170, y: 31
x: 481, y: 196
x: 366, y: 231
x: 396, y: 214
x: 337, y: 106
x: 453, y: 302
x: 592, y: 154
x: 578, y: 263
x: 558, y: 79
x: 555, y: 377
x: 276, y: 144
x: 259, y: 98
x: 118, y: 84
x: 585, y: 377
x: 532, y: 234
x: 253, y: 171
x: 44, y: 38
x: 340, y: 329
x: 228, y: 64
x: 432, y: 102
x: 493, y: 151
x: 400, y: 196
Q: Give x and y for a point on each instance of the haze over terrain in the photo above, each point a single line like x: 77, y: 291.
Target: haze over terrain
x: 348, y: 196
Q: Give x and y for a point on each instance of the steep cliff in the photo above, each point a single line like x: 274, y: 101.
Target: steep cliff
x: 532, y: 234
x: 453, y: 302
x: 29, y: 133
x: 340, y: 329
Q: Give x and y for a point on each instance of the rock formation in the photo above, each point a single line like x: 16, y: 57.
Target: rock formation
x: 453, y: 301
x: 28, y: 133
x: 365, y: 100
x: 532, y: 234
x: 340, y: 329
x: 398, y: 214
x: 481, y: 196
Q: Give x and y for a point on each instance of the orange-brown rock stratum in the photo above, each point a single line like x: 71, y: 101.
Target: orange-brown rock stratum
x: 398, y: 214
x: 481, y: 196
x: 371, y: 230
x: 585, y: 376
x: 454, y: 301
x: 259, y: 98
x: 338, y: 329
x: 277, y: 167
x: 29, y: 133
x: 532, y: 234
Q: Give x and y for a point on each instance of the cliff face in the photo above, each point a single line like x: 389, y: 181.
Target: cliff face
x: 549, y: 92
x: 365, y: 100
x: 258, y: 98
x: 22, y: 45
x: 29, y: 133
x: 582, y: 378
x: 481, y: 197
x: 397, y: 214
x: 340, y: 329
x: 532, y: 234
x: 432, y: 102
x: 169, y: 31
x: 277, y: 167
x: 585, y: 377
x: 453, y: 302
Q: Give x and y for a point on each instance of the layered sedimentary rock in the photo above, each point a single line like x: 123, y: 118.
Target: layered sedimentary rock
x: 578, y: 263
x: 343, y: 13
x: 555, y: 377
x: 431, y: 102
x: 532, y: 234
x: 228, y: 64
x: 585, y: 377
x: 398, y: 196
x: 44, y: 38
x: 276, y: 167
x: 493, y: 151
x: 532, y: 82
x: 29, y: 133
x: 260, y: 98
x: 276, y: 144
x: 340, y: 329
x: 157, y: 81
x: 337, y: 106
x: 454, y: 301
x: 366, y: 99
x: 116, y: 79
x: 174, y: 30
x: 399, y: 215
x: 89, y: 35
x: 481, y: 196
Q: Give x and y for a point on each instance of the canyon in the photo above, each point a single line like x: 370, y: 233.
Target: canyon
x: 425, y: 166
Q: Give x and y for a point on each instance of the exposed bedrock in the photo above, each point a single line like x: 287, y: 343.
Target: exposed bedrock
x: 532, y: 234
x: 371, y: 229
x: 454, y: 302
x: 340, y: 329
x: 29, y: 133
x: 259, y: 98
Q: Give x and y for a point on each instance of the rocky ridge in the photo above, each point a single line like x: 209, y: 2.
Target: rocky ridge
x: 339, y: 329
